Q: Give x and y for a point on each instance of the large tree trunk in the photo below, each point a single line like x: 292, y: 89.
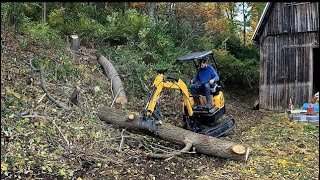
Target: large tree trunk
x: 202, y: 143
x: 44, y: 12
x: 116, y: 83
x: 151, y: 9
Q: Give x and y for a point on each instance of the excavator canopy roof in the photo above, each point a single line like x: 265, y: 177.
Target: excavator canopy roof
x: 194, y: 56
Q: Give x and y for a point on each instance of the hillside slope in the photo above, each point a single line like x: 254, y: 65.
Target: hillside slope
x: 47, y: 142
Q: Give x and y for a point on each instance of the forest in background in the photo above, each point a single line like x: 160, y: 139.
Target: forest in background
x: 143, y: 37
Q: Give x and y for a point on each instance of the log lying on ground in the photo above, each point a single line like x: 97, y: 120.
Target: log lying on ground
x: 116, y: 83
x: 202, y: 143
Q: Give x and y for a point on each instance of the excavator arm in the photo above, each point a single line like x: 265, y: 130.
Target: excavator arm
x: 159, y: 84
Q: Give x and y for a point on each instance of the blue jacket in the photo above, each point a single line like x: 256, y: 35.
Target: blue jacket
x: 205, y: 75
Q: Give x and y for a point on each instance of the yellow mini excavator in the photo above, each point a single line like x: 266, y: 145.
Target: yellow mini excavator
x: 200, y: 120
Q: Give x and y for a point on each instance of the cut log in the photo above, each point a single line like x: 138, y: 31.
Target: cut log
x: 131, y: 117
x: 203, y: 144
x: 116, y: 83
x: 239, y: 149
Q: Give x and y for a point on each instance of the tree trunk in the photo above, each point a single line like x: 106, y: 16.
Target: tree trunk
x: 61, y: 4
x: 44, y: 12
x: 151, y: 9
x: 244, y: 24
x: 203, y: 144
x: 116, y: 83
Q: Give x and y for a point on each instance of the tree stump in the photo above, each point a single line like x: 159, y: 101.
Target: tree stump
x: 74, y: 42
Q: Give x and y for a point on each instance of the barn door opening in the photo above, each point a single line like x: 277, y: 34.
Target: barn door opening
x: 316, y: 70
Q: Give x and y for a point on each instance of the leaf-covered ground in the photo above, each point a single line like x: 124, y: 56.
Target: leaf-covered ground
x: 51, y: 143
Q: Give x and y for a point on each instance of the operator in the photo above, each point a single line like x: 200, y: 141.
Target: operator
x: 205, y: 77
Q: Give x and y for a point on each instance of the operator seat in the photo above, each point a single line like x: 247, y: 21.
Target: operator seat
x: 214, y: 90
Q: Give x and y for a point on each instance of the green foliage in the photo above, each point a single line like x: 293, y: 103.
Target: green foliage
x: 67, y: 68
x: 13, y: 13
x: 32, y: 11
x: 155, y: 42
x: 5, y: 11
x: 76, y: 23
x: 134, y: 72
x: 56, y: 19
x: 234, y: 73
x: 187, y: 33
x: 240, y: 51
x: 24, y: 43
x: 41, y: 32
x: 126, y: 25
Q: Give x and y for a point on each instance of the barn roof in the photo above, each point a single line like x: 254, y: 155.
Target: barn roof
x: 262, y: 22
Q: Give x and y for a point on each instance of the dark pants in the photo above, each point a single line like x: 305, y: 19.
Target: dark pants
x: 196, y: 88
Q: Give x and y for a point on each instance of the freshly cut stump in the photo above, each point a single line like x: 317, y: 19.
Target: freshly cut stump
x: 131, y: 117
x: 74, y: 42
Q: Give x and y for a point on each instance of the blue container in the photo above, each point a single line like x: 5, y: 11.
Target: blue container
x: 315, y: 106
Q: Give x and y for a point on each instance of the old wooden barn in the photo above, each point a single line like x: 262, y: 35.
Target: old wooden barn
x: 288, y: 36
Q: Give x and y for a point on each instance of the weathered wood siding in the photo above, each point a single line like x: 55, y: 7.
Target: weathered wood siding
x: 290, y: 33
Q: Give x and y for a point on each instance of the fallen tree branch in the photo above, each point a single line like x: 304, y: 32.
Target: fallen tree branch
x: 31, y: 65
x: 122, y: 140
x: 26, y: 112
x: 33, y: 116
x: 175, y: 153
x: 41, y: 98
x: 65, y: 139
x: 42, y: 84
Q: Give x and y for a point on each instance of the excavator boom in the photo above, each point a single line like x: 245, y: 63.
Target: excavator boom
x: 158, y: 86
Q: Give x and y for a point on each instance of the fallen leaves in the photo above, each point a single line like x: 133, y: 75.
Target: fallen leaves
x: 283, y: 162
x: 280, y: 148
x: 11, y: 91
x: 4, y: 167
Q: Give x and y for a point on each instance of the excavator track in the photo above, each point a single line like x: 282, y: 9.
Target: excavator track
x: 221, y: 129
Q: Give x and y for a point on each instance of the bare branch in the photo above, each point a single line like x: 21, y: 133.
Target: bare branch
x: 54, y: 123
x: 33, y: 116
x: 122, y: 140
x: 175, y: 153
x: 41, y: 98
x: 30, y: 64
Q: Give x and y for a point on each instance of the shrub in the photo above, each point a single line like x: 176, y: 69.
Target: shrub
x: 81, y: 24
x: 237, y: 74
x: 41, y: 32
